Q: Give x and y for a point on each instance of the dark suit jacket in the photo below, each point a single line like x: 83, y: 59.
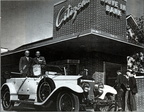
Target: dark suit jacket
x: 122, y: 82
x: 41, y: 61
x: 133, y: 85
x: 25, y: 65
x: 119, y: 81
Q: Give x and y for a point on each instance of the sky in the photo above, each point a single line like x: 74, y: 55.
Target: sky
x: 25, y: 21
x: 135, y: 7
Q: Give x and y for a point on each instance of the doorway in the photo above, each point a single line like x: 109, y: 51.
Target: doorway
x: 110, y: 72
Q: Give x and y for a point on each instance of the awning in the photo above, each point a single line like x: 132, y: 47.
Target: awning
x: 89, y: 42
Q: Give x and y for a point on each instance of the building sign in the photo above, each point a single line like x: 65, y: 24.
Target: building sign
x: 77, y: 17
x: 114, y: 7
x: 65, y: 14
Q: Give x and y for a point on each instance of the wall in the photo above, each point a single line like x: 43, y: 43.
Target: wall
x: 140, y: 94
x: 94, y: 61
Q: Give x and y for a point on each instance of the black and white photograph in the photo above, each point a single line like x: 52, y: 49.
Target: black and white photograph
x: 72, y: 56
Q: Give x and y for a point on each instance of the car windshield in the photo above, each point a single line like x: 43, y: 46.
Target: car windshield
x: 54, y: 69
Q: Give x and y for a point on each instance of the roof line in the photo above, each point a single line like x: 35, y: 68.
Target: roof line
x: 60, y: 2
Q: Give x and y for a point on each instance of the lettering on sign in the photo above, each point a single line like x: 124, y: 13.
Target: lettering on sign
x: 113, y: 7
x: 65, y: 14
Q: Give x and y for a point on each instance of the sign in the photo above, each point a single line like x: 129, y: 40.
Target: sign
x: 70, y: 13
x: 113, y: 7
x: 77, y: 17
x: 36, y: 70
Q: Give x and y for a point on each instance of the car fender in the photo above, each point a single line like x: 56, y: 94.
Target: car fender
x: 74, y: 88
x: 13, y: 92
x: 107, y: 89
x: 11, y: 87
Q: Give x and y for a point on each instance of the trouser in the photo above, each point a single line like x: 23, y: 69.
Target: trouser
x: 126, y: 99
x: 120, y: 99
x: 131, y: 102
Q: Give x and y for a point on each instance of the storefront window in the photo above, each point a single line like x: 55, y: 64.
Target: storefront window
x: 110, y: 72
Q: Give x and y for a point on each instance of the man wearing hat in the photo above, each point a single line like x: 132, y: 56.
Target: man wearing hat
x: 120, y: 91
x: 131, y: 91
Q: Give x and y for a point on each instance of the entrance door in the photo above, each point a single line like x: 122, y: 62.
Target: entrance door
x: 110, y: 72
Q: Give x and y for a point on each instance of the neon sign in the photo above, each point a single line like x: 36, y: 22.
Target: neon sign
x: 69, y: 13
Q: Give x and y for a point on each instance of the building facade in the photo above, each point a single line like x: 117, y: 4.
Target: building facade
x: 95, y: 33
x: 87, y: 34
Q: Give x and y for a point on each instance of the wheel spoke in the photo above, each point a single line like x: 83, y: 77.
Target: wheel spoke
x: 7, y: 104
x: 66, y: 103
x: 44, y: 91
x: 6, y: 99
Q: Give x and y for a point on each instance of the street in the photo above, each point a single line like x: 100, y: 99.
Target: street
x: 29, y: 107
x: 20, y: 107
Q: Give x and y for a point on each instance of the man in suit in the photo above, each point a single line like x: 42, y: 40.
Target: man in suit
x: 131, y: 101
x: 40, y: 60
x: 120, y: 91
x: 25, y: 64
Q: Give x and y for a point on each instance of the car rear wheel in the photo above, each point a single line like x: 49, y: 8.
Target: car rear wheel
x: 113, y: 107
x: 109, y: 107
x: 44, y: 90
x: 6, y: 103
x: 67, y: 101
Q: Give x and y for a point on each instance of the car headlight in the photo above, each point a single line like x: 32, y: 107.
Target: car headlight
x: 86, y: 87
x: 98, y: 89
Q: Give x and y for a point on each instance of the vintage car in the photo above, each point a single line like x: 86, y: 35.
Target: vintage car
x: 56, y: 89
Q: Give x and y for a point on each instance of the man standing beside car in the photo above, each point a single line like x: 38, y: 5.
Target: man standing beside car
x: 120, y: 91
x: 40, y: 60
x: 25, y: 64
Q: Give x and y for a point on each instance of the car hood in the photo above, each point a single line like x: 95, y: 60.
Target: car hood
x: 65, y: 77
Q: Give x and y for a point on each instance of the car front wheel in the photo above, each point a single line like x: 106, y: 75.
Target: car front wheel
x: 6, y: 103
x: 43, y: 91
x: 67, y: 101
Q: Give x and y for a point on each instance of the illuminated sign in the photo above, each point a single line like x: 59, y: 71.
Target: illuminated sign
x: 113, y: 7
x: 69, y: 13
